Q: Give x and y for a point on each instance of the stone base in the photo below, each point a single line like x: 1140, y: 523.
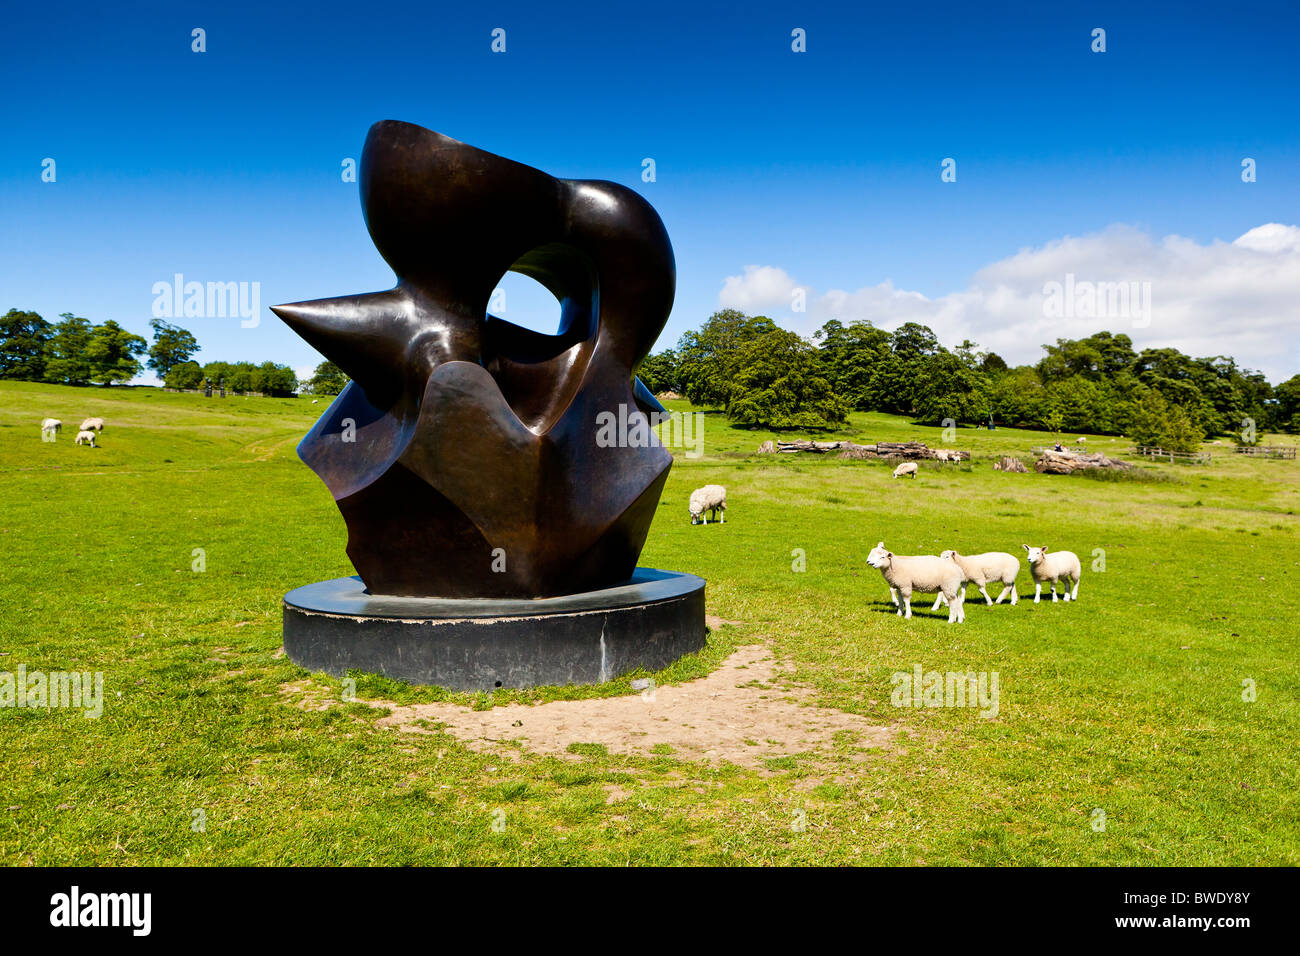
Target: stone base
x: 480, y: 644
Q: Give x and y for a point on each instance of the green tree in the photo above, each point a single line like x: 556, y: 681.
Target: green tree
x: 328, y: 379
x: 1084, y: 404
x: 66, y: 361
x: 1150, y: 419
x: 708, y: 358
x: 855, y: 359
x: 112, y: 353
x: 779, y: 383
x: 171, y: 346
x: 1018, y: 398
x: 184, y: 375
x: 911, y: 340
x: 993, y: 364
x: 1287, y: 413
x: 217, y: 373
x: 23, y: 337
x: 659, y: 373
x: 947, y: 387
x: 896, y: 378
x: 1101, y: 355
x: 274, y: 379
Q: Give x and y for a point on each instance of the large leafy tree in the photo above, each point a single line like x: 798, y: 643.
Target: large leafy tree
x: 779, y: 383
x: 895, y: 380
x: 184, y: 375
x: 171, y: 346
x: 112, y: 351
x: 1287, y: 412
x: 1151, y: 419
x: 913, y: 342
x: 328, y: 379
x: 1101, y: 355
x: 23, y: 336
x: 66, y: 361
x: 269, y: 378
x: 709, y: 357
x: 660, y: 372
x: 1083, y: 404
x: 855, y: 359
x: 947, y: 387
x: 1017, y: 398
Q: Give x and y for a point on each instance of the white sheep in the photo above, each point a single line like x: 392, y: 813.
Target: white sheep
x: 906, y: 468
x: 921, y: 572
x: 1052, y: 568
x: 93, y: 424
x: 986, y: 568
x: 86, y: 438
x: 710, y: 498
x: 51, y: 427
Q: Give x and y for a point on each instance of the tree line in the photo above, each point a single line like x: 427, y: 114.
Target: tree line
x: 75, y: 351
x: 763, y: 375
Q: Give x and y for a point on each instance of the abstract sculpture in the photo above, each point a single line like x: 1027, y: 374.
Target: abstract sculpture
x: 465, y: 454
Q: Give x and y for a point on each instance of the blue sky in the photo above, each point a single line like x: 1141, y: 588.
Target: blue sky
x: 822, y: 167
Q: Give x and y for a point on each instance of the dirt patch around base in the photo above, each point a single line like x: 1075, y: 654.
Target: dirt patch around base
x: 737, y: 714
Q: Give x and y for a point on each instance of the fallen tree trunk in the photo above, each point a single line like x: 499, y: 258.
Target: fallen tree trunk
x: 894, y: 450
x: 1064, y: 462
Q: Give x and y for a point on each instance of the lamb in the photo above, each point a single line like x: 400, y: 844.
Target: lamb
x: 93, y: 424
x: 1052, y: 568
x: 906, y: 468
x: 86, y: 438
x: 983, y: 569
x: 923, y: 572
x: 51, y: 427
x: 710, y: 498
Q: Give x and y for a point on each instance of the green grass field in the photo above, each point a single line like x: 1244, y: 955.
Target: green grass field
x: 1128, y: 702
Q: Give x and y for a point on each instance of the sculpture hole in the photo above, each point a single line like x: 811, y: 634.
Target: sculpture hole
x: 525, y: 302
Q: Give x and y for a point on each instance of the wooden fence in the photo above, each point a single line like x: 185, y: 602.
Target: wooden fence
x: 1267, y: 451
x: 1179, y: 457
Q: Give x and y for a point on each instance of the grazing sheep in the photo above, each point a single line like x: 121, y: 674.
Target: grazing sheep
x: 982, y: 569
x: 1052, y: 568
x: 710, y: 498
x: 86, y: 438
x: 922, y: 572
x: 906, y: 468
x: 93, y: 424
x: 51, y: 426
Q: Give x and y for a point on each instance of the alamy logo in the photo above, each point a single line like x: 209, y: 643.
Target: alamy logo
x: 215, y: 300
x: 634, y: 429
x: 75, y: 908
x: 36, y: 689
x: 1098, y: 300
x: 953, y: 689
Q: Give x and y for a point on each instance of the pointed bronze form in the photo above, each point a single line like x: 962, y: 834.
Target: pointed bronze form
x: 490, y: 460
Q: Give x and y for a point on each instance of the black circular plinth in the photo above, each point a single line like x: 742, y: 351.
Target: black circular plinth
x: 480, y: 644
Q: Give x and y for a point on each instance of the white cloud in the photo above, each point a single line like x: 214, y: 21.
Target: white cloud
x: 1239, y: 298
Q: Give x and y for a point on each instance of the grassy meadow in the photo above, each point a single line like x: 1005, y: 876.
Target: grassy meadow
x: 161, y: 557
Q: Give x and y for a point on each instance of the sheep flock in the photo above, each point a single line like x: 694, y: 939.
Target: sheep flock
x: 86, y: 434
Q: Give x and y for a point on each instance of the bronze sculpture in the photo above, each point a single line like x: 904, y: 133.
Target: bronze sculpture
x: 475, y: 469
